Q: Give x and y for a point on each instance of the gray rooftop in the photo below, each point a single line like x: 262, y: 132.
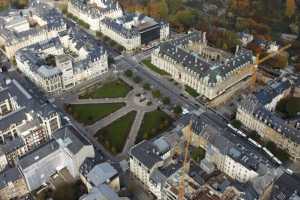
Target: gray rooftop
x: 146, y: 153
x: 230, y: 144
x: 9, y: 175
x: 101, y: 174
x: 210, y: 70
x: 252, y: 105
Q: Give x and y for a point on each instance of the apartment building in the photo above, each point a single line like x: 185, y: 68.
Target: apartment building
x: 67, y: 150
x: 210, y: 71
x: 133, y: 30
x: 12, y: 184
x: 256, y: 113
x: 231, y: 154
x: 75, y: 59
x: 93, y: 11
x: 23, y: 28
x: 25, y: 122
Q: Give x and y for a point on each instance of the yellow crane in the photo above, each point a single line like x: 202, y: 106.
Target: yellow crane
x: 261, y: 60
x: 181, y: 190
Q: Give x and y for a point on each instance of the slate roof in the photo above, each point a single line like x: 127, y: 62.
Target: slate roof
x: 252, y: 105
x: 287, y: 187
x: 211, y: 71
x: 138, y: 24
x: 66, y: 137
x: 9, y: 175
x: 25, y: 102
x: 230, y: 144
x: 101, y: 173
x: 70, y: 138
x: 94, y: 11
x: 37, y: 154
x: 146, y: 153
x: 52, y: 17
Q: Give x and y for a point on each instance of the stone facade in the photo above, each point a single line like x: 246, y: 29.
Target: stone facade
x: 209, y: 71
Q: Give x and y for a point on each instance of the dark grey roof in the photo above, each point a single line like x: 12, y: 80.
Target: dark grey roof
x: 9, y: 175
x: 95, y: 12
x: 141, y: 23
x: 70, y: 138
x: 27, y: 104
x: 253, y: 106
x: 54, y: 20
x: 175, y: 50
x: 286, y: 187
x: 230, y: 144
x: 268, y: 93
x: 39, y: 153
x: 146, y: 153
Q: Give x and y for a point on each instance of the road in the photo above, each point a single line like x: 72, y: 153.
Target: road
x: 167, y: 88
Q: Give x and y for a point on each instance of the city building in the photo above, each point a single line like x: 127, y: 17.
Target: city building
x: 210, y: 71
x: 103, y: 173
x: 256, y: 113
x: 67, y: 150
x: 12, y: 184
x: 93, y: 11
x: 286, y: 187
x: 229, y: 152
x: 25, y: 123
x: 133, y: 30
x: 151, y: 162
x: 60, y: 63
x: 103, y: 192
x: 22, y: 28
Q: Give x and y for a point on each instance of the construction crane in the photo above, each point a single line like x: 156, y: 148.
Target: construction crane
x: 181, y: 190
x: 259, y: 61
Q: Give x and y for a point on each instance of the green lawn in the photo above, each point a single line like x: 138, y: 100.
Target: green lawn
x: 191, y: 91
x: 153, y: 124
x: 148, y: 63
x: 114, y: 136
x: 90, y: 113
x: 289, y: 107
x: 111, y: 89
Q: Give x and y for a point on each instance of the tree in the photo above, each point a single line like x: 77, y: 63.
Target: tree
x: 166, y: 100
x: 146, y: 86
x: 128, y: 73
x: 19, y: 4
x: 137, y: 79
x: 156, y: 93
x: 177, y: 110
x: 290, y: 8
x: 163, y: 9
x: 174, y: 5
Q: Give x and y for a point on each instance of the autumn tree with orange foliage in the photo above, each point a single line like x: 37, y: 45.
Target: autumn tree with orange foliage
x: 290, y: 8
x: 240, y: 5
